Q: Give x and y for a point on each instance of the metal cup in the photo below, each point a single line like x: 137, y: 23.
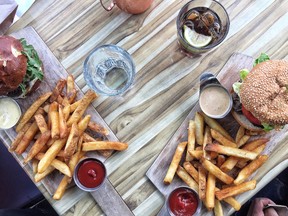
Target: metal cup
x: 208, y: 80
x: 78, y: 183
x: 198, y: 209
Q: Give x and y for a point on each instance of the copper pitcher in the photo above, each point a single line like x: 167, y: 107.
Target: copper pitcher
x: 129, y: 6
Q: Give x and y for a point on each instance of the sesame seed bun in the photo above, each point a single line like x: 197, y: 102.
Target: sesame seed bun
x: 264, y: 92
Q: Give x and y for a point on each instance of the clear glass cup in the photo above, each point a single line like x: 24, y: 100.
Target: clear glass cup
x: 218, y: 29
x: 109, y: 70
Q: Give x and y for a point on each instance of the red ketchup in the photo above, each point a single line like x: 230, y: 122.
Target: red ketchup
x: 183, y: 202
x: 91, y: 173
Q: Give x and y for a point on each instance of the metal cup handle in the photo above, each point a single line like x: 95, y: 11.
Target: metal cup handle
x: 112, y: 4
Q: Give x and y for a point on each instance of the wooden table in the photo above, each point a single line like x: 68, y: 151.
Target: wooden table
x: 166, y: 84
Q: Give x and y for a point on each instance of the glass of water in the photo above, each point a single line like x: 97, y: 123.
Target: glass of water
x: 109, y: 70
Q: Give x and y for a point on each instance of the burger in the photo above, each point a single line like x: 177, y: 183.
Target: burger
x: 260, y: 98
x: 21, y: 70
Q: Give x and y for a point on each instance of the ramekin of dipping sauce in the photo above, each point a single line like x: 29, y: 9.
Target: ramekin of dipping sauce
x: 10, y: 112
x: 183, y: 201
x: 89, y: 174
x: 214, y: 100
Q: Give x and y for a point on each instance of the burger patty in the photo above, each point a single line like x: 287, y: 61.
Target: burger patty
x: 264, y: 92
x: 13, y: 64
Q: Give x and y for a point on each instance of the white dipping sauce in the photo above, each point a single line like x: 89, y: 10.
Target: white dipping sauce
x: 9, y: 113
x: 215, y: 101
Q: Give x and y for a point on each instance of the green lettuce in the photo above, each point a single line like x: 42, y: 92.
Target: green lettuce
x: 263, y: 57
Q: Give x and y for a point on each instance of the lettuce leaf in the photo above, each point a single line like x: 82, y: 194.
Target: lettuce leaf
x: 263, y: 57
x: 267, y: 127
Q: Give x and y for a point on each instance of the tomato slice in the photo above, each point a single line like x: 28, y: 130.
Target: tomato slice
x: 250, y: 117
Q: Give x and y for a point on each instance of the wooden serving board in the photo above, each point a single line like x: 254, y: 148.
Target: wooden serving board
x: 275, y: 148
x: 53, y: 71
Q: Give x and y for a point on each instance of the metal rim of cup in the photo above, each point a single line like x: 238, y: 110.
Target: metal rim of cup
x: 190, y: 189
x: 127, y: 56
x: 208, y: 47
x: 75, y: 177
x: 19, y: 109
x: 230, y: 101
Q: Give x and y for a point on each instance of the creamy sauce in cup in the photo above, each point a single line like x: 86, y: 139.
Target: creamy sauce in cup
x: 10, y: 113
x: 215, y: 101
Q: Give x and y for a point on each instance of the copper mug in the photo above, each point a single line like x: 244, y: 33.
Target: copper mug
x: 129, y: 6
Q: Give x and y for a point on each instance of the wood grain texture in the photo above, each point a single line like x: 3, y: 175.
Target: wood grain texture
x: 166, y: 84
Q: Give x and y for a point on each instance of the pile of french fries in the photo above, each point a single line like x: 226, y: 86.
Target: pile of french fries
x: 56, y: 133
x: 214, y: 164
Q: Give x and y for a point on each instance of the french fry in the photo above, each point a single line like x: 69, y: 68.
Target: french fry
x: 41, y: 123
x: 229, y: 164
x: 71, y: 96
x: 31, y: 110
x: 34, y: 165
x: 57, y: 164
x: 243, y: 140
x: 59, y: 99
x: 65, y: 102
x: 79, y: 111
x: 54, y: 117
x: 191, y: 139
x: 213, y: 169
x: 39, y: 176
x: 240, y: 133
x: 79, y: 144
x: 62, y: 123
x: 212, y: 123
x: 218, y: 210
x: 242, y: 162
x: 61, y: 188
x: 88, y: 138
x: 233, y: 202
x: 98, y: 128
x: 196, y: 154
x: 199, y: 128
x: 37, y: 146
x: 220, y: 160
x: 222, y: 139
x: 50, y: 154
x: 174, y: 163
x: 202, y: 182
x: 186, y: 178
x: 66, y: 112
x: 57, y: 90
x: 254, y: 144
x: 104, y: 145
x: 230, y: 151
x: 27, y: 138
x: 75, y: 105
x: 19, y: 137
x: 83, y: 124
x: 235, y: 190
x: 210, y: 191
x: 46, y: 108
x: 66, y: 180
x: 207, y: 140
x: 250, y: 168
x: 254, y: 133
x: 191, y: 170
x: 72, y: 141
x: 70, y: 84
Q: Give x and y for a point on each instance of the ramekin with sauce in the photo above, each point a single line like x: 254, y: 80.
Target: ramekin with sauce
x: 10, y: 112
x: 183, y: 201
x: 214, y: 100
x: 89, y: 174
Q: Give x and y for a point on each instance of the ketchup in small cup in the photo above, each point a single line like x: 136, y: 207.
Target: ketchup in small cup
x: 183, y: 201
x: 89, y: 174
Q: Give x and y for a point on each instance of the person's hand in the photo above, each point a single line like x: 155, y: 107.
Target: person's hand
x: 257, y: 208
